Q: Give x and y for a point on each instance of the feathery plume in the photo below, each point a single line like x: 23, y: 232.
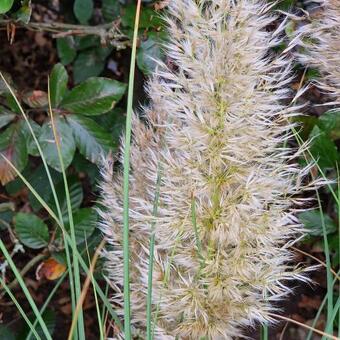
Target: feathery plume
x: 320, y: 43
x: 215, y: 132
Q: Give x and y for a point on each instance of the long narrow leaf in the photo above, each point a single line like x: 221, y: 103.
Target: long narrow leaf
x: 68, y: 240
x: 81, y: 327
x: 54, y: 193
x: 44, y: 306
x: 127, y: 321
x: 21, y: 311
x: 25, y: 290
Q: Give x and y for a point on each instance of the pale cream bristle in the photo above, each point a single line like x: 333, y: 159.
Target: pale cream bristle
x: 216, y: 131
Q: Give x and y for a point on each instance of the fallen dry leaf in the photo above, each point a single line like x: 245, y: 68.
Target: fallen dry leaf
x: 50, y: 269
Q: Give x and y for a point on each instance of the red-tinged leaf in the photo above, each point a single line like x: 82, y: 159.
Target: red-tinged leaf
x: 36, y: 99
x: 13, y: 147
x: 50, y: 270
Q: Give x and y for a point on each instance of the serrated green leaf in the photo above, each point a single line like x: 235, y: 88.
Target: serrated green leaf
x: 83, y: 10
x: 5, y: 5
x: 31, y: 230
x: 110, y: 9
x: 329, y: 122
x: 48, y: 143
x: 147, y: 54
x: 32, y: 148
x: 6, y: 116
x: 76, y: 196
x: 39, y: 181
x: 13, y: 147
x: 58, y: 84
x: 94, y: 96
x: 323, y: 148
x: 148, y: 17
x: 91, y: 139
x: 66, y: 50
x: 84, y: 223
x: 86, y: 42
x: 312, y: 220
x: 88, y: 64
x: 84, y: 167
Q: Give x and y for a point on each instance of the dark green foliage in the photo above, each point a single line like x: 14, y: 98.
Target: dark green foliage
x: 94, y: 96
x: 31, y: 230
x: 83, y: 10
x: 313, y: 220
x: 5, y: 5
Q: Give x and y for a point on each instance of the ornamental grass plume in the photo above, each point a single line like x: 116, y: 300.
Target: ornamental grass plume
x: 320, y: 46
x: 215, y: 133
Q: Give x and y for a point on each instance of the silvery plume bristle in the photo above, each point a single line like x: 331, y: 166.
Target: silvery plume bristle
x: 319, y: 42
x: 215, y: 135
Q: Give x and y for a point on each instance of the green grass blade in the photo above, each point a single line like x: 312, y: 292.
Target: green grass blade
x: 127, y: 321
x: 21, y: 311
x: 25, y: 290
x: 77, y: 283
x: 55, y: 197
x: 68, y: 240
x: 264, y: 332
x: 264, y: 328
x: 46, y: 303
x: 328, y: 267
x: 323, y: 175
x: 103, y: 307
x: 338, y: 206
x: 151, y: 260
x: 100, y: 320
x: 330, y: 322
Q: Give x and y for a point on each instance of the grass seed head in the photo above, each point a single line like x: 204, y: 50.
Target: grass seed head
x: 217, y: 129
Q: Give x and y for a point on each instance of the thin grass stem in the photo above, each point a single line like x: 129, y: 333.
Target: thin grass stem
x: 46, y: 303
x: 25, y: 290
x: 54, y: 193
x: 21, y: 311
x: 330, y: 321
x: 84, y: 291
x: 264, y: 332
x: 68, y: 240
x: 100, y: 319
x: 327, y: 336
x: 126, y: 257
x: 77, y: 283
x: 328, y: 266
